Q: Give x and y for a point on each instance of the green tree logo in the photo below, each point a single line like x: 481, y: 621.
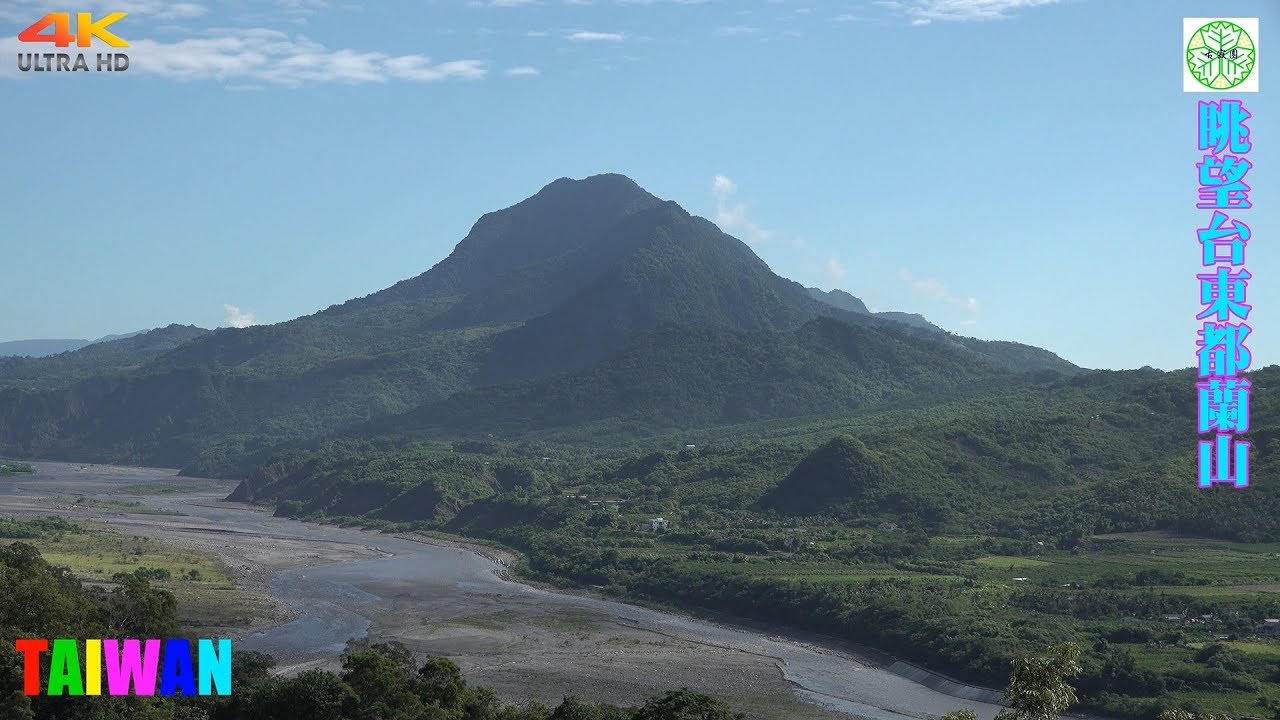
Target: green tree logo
x: 1221, y: 55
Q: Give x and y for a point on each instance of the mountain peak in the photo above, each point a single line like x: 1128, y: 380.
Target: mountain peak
x: 839, y: 299
x: 601, y: 180
x: 553, y: 227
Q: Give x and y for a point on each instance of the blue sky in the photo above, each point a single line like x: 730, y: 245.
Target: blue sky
x: 1011, y: 169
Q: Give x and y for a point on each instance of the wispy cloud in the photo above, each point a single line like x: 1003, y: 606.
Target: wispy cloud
x: 592, y: 36
x: 924, y: 12
x: 522, y: 71
x: 31, y: 10
x: 834, y: 270
x: 299, y: 10
x: 737, y: 30
x: 237, y: 318
x: 936, y: 290
x: 732, y: 216
x: 275, y: 58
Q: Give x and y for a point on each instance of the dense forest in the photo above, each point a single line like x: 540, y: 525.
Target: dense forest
x: 891, y: 528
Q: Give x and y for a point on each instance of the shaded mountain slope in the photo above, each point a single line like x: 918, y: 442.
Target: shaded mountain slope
x: 683, y: 270
x: 563, y: 305
x: 121, y: 354
x: 686, y: 377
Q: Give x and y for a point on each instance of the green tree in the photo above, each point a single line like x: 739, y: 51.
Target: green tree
x: 13, y: 703
x: 1038, y: 688
x: 685, y: 704
x: 382, y: 685
x: 138, y: 610
x: 250, y: 668
x: 440, y: 681
x: 313, y: 694
x: 574, y: 709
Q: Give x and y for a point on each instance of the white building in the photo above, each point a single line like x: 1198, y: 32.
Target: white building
x: 657, y: 524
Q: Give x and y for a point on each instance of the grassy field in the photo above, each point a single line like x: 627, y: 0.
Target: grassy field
x: 1209, y: 567
x: 96, y: 553
x: 202, y: 606
x: 1252, y: 647
x: 1009, y: 562
x: 207, y: 598
x: 1235, y: 702
x: 9, y: 468
x: 568, y: 621
x: 167, y: 488
x: 491, y: 621
x: 116, y: 505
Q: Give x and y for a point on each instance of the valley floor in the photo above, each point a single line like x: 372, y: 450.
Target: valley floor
x: 524, y: 642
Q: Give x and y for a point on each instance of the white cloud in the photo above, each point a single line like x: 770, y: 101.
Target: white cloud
x: 923, y: 12
x: 302, y: 5
x: 736, y: 30
x: 522, y: 71
x: 937, y: 290
x: 590, y: 36
x: 835, y: 271
x: 732, y: 217
x: 931, y: 287
x: 237, y: 318
x: 32, y: 10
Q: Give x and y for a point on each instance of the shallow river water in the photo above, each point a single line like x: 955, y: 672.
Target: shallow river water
x: 329, y: 600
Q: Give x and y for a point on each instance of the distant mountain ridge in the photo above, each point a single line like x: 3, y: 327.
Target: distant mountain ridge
x: 39, y: 347
x: 843, y: 300
x: 113, y: 354
x: 591, y: 292
x: 45, y: 348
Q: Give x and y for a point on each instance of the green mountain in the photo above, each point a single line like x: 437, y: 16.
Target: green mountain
x: 689, y: 377
x: 840, y: 299
x: 112, y: 354
x: 1093, y: 453
x: 841, y: 473
x: 590, y: 301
